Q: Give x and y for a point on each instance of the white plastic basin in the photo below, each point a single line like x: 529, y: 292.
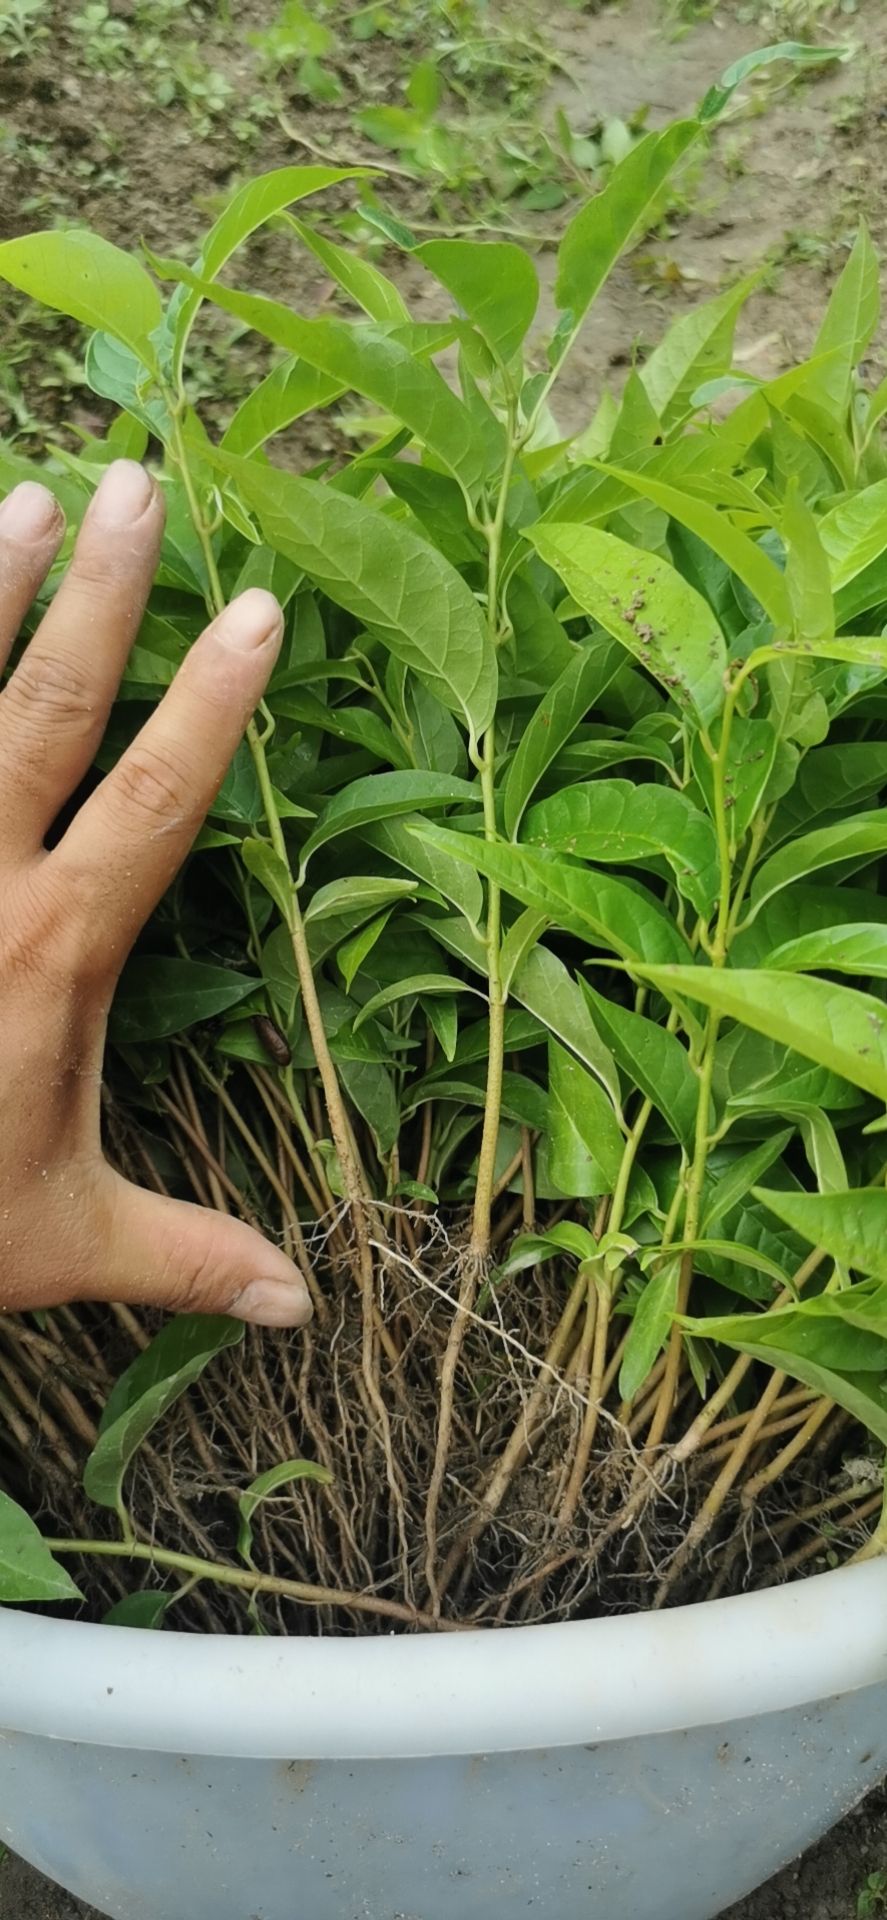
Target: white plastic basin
x: 653, y: 1767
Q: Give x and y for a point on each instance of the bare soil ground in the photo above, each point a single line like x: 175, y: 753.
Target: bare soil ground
x: 781, y: 193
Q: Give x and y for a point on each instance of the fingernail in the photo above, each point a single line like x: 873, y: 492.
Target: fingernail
x: 274, y: 1303
x: 29, y: 513
x: 124, y: 493
x: 251, y: 621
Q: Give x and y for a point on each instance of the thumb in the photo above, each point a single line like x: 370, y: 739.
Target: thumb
x: 190, y: 1259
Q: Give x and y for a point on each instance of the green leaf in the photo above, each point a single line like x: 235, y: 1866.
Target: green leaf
x: 265, y: 864
x: 807, y: 575
x: 359, y: 278
x: 268, y: 1483
x: 27, y: 1568
x: 586, y: 1144
x: 854, y: 533
x: 286, y: 394
x: 79, y: 273
x: 796, y: 51
x: 594, y: 906
x: 606, y: 225
x: 382, y: 572
x: 696, y: 347
x: 370, y: 1089
x: 144, y: 1610
x: 859, y: 947
x: 361, y: 891
x: 159, y: 996
x: 739, y: 1177
x: 859, y: 839
x: 531, y: 1249
x: 647, y: 607
x: 443, y: 1019
x: 384, y: 369
x: 831, y: 780
x: 551, y: 726
x: 409, y: 987
x: 547, y: 989
x: 495, y: 284
x: 653, y: 1059
x: 380, y: 796
x: 650, y: 1328
x: 247, y: 210
x: 852, y: 1227
x: 810, y: 1342
x: 616, y: 821
x: 712, y: 525
x: 841, y: 1029
x: 175, y: 1358
x: 851, y: 319
x: 433, y: 865
x: 352, y: 953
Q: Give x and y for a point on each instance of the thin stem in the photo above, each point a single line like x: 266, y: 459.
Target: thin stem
x: 246, y: 1580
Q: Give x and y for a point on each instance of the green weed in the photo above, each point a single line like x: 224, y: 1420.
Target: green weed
x: 873, y: 1897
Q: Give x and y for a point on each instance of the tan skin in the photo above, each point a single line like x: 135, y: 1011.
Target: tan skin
x: 70, y: 1227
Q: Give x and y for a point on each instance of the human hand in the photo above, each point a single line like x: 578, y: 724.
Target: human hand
x: 70, y: 1227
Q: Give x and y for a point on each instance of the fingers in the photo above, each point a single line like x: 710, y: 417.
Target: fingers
x: 129, y: 840
x: 31, y: 529
x: 188, y: 1259
x: 55, y: 707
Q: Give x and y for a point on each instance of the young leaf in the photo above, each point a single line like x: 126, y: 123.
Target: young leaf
x: 159, y: 996
x: 696, y: 347
x: 380, y: 796
x: 554, y: 721
x: 27, y: 1568
x: 586, y: 1144
x: 433, y: 865
x: 712, y: 525
x: 858, y: 840
x: 841, y: 1029
x: 265, y: 864
x: 379, y: 570
x: 362, y: 891
x: 798, y: 52
x: 267, y: 1483
x: 410, y: 986
x: 496, y: 286
x: 382, y: 368
x: 285, y: 395
x: 247, y: 210
x: 547, y: 989
x: 739, y: 1177
x: 599, y: 232
x: 358, y: 277
x: 854, y: 533
x: 594, y: 906
x: 653, y: 1059
x: 859, y: 948
x: 851, y: 1226
x: 144, y: 1610
x: 851, y: 319
x: 616, y: 821
x: 842, y: 1363
x: 79, y: 273
x: 650, y: 1327
x: 175, y: 1358
x: 646, y: 606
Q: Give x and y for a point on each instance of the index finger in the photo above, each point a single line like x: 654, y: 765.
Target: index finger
x: 128, y: 841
